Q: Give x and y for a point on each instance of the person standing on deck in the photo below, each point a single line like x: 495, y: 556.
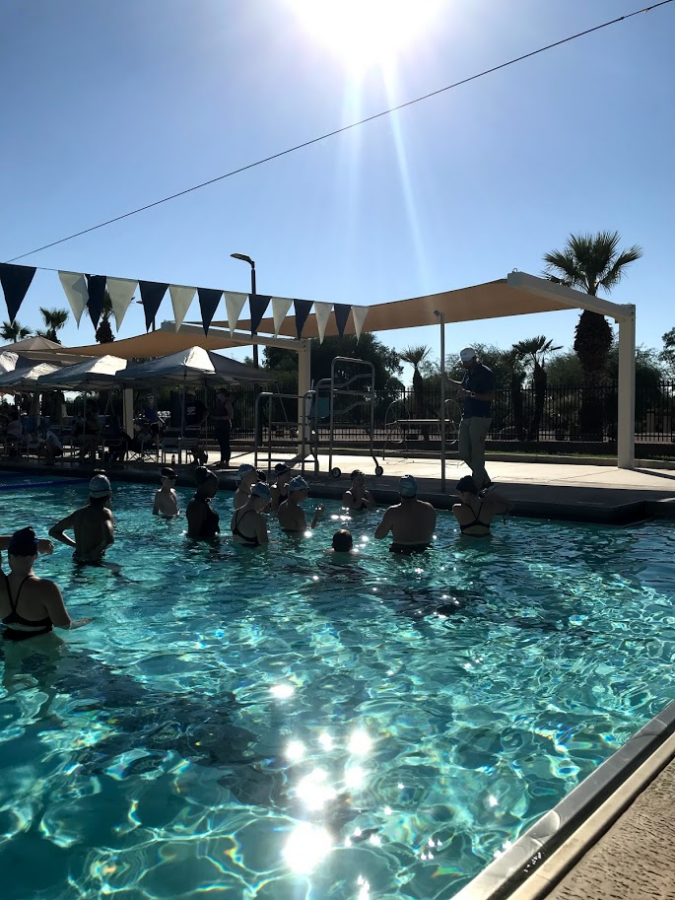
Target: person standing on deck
x: 222, y: 417
x: 477, y: 390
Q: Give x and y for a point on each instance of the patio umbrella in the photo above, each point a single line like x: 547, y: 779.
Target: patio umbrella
x: 94, y: 374
x: 10, y: 361
x: 194, y: 367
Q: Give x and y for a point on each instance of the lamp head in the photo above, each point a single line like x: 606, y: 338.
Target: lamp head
x: 243, y: 257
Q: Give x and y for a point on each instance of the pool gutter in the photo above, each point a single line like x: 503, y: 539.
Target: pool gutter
x: 541, y: 857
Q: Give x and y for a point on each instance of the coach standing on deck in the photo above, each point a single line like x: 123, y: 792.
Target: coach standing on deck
x: 477, y: 390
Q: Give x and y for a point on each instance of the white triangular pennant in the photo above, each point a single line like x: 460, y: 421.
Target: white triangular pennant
x: 359, y: 313
x: 181, y: 298
x: 121, y: 292
x: 322, y: 312
x: 75, y: 288
x: 234, y: 302
x: 280, y: 307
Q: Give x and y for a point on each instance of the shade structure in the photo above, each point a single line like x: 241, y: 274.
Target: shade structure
x: 32, y: 343
x: 95, y: 374
x: 25, y: 379
x: 192, y: 367
x: 10, y: 361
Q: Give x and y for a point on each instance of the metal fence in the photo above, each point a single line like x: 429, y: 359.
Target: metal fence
x: 518, y: 415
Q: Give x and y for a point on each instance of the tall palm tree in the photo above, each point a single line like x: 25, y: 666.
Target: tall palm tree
x: 415, y: 356
x: 591, y: 262
x: 54, y: 320
x: 104, y: 333
x: 533, y: 353
x: 13, y: 331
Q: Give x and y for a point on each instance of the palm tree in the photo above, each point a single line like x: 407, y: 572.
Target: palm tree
x: 416, y: 356
x: 591, y: 262
x: 54, y: 320
x: 104, y: 334
x: 13, y: 331
x: 533, y: 353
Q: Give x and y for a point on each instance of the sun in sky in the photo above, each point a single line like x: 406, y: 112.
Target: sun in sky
x: 366, y: 34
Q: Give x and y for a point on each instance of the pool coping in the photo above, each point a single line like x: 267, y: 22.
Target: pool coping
x: 526, y: 858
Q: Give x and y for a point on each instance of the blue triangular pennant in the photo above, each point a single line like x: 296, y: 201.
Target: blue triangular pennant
x: 96, y: 289
x: 258, y: 303
x: 341, y: 311
x: 302, y: 308
x: 152, y: 294
x: 208, y: 304
x: 15, y: 282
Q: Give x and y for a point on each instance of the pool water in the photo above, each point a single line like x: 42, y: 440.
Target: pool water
x: 272, y: 724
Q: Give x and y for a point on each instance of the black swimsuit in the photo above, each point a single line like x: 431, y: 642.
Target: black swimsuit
x: 476, y: 521
x: 210, y: 526
x: 29, y: 627
x: 249, y: 541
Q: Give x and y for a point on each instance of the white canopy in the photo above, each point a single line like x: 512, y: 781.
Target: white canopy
x: 191, y: 367
x: 9, y: 361
x: 25, y: 379
x: 94, y: 374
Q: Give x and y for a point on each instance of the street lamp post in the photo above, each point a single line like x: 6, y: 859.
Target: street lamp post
x: 441, y: 316
x: 251, y: 262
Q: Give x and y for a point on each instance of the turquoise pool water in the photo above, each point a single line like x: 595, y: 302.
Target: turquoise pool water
x: 269, y: 724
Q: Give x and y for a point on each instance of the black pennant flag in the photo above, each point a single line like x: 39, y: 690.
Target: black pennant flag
x: 342, y: 311
x: 15, y: 282
x: 208, y: 304
x: 152, y: 294
x: 96, y: 288
x: 302, y: 308
x: 258, y: 303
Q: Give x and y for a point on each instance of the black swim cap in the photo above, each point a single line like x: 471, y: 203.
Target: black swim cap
x: 343, y: 541
x: 202, y: 475
x: 167, y: 472
x: 467, y: 485
x: 23, y: 543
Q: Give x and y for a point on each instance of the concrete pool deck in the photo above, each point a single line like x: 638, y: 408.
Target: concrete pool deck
x: 581, y: 491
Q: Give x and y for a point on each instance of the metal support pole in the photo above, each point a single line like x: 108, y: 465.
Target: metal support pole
x: 304, y: 385
x: 442, y: 323
x: 625, y: 449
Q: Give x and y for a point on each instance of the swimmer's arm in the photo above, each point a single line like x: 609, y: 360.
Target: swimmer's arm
x: 384, y: 527
x: 348, y: 500
x: 369, y: 501
x: 56, y: 609
x: 261, y: 531
x: 318, y: 512
x: 56, y: 531
x: 500, y: 504
x: 44, y: 545
x: 155, y: 508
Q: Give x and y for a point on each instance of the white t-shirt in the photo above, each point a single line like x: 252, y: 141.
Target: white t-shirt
x: 53, y: 440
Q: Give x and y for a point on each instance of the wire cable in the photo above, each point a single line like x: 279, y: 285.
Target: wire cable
x: 344, y: 128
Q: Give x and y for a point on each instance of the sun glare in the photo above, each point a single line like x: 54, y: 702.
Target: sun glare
x: 366, y: 33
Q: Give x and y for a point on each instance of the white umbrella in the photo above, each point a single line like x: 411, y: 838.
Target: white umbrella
x: 189, y: 368
x: 94, y: 374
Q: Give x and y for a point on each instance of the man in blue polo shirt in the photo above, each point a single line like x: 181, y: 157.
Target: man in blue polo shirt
x: 477, y: 389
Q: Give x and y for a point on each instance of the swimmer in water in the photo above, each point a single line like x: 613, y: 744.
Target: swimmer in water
x: 249, y: 526
x: 357, y: 497
x: 279, y: 489
x: 475, y: 512
x: 247, y: 476
x: 30, y: 606
x: 202, y: 519
x: 411, y: 521
x: 92, y: 525
x: 166, y: 499
x: 291, y: 514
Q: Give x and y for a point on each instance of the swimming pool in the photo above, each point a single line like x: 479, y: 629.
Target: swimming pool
x: 270, y: 724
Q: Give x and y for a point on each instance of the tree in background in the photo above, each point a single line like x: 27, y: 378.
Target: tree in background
x: 667, y: 355
x: 54, y: 321
x: 533, y: 353
x: 13, y: 331
x: 104, y: 334
x: 415, y: 356
x: 591, y: 262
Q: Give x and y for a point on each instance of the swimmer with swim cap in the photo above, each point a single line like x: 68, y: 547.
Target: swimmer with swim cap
x: 166, y: 499
x: 92, y: 525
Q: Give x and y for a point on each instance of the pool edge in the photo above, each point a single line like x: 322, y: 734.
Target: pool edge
x: 518, y: 872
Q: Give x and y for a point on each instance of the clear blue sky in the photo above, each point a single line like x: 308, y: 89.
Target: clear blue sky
x: 108, y: 106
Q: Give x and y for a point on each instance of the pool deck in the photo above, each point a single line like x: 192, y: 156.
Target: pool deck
x: 581, y: 491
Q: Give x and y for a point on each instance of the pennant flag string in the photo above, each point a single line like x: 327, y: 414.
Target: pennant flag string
x: 181, y: 298
x: 302, y: 308
x: 280, y: 307
x: 258, y: 303
x: 96, y: 301
x: 75, y: 289
x: 121, y: 293
x: 152, y: 293
x: 322, y: 313
x: 359, y: 313
x: 15, y: 282
x: 342, y: 311
x: 234, y: 302
x: 208, y: 304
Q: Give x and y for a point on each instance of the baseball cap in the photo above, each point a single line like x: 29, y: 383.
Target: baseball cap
x: 260, y: 489
x: 99, y: 486
x: 244, y: 469
x: 297, y: 484
x: 467, y: 353
x: 407, y: 486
